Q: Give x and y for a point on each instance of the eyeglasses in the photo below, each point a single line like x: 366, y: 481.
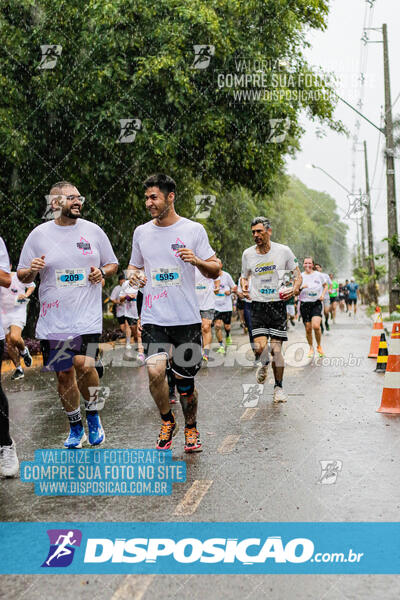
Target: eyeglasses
x: 51, y: 198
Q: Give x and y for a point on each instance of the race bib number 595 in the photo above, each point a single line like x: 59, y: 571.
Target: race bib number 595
x: 166, y: 276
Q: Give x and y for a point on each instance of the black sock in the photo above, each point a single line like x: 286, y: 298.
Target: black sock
x: 278, y: 383
x: 192, y: 426
x: 74, y: 417
x: 168, y: 416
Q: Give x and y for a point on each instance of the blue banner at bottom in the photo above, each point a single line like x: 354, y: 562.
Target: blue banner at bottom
x: 219, y: 548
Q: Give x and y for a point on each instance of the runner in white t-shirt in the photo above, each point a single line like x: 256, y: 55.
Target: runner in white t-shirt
x: 14, y: 302
x: 9, y: 464
x: 206, y: 289
x: 72, y: 257
x: 165, y: 254
x: 326, y: 304
x: 129, y: 295
x: 118, y: 303
x: 223, y: 309
x: 269, y: 264
x: 312, y: 291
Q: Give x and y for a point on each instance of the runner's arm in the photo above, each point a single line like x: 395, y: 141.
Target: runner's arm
x: 27, y: 275
x: 296, y: 284
x: 96, y: 275
x: 5, y: 279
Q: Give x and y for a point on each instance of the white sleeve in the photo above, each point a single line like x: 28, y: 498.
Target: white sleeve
x: 231, y: 282
x: 245, y: 269
x: 4, y: 258
x: 291, y: 260
x: 115, y: 293
x: 27, y: 253
x: 203, y: 249
x: 136, y: 256
x: 107, y: 255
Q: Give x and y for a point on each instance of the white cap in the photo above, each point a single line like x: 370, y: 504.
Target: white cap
x: 351, y: 278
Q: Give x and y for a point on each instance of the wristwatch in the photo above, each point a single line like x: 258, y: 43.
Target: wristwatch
x: 102, y: 272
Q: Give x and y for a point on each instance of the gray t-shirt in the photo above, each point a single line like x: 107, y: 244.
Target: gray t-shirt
x: 268, y: 271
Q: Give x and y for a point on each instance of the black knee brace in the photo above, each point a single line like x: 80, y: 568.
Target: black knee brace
x: 185, y: 386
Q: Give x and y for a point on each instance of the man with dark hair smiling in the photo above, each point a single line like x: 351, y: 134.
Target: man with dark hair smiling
x: 165, y: 254
x: 267, y: 264
x: 72, y: 257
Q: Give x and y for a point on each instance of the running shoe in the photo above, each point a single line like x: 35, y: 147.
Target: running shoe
x: 27, y: 358
x: 310, y: 353
x: 128, y: 346
x: 261, y: 374
x: 279, y: 395
x: 192, y: 440
x: 141, y: 358
x: 221, y: 350
x: 168, y: 430
x: 18, y: 374
x: 321, y: 353
x: 172, y: 397
x: 205, y: 358
x: 96, y: 431
x: 228, y: 340
x: 9, y: 463
x: 76, y: 438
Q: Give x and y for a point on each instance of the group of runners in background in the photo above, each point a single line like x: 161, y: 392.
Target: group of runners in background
x: 167, y: 300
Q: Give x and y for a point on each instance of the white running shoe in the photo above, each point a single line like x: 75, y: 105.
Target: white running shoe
x: 279, y: 395
x: 261, y: 374
x: 9, y: 463
x: 128, y: 346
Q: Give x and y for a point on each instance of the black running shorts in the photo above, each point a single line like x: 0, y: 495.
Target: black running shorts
x: 225, y: 316
x: 269, y: 319
x: 58, y: 354
x: 308, y: 310
x: 180, y: 343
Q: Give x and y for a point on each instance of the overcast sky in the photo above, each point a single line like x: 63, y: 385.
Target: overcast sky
x: 339, y: 49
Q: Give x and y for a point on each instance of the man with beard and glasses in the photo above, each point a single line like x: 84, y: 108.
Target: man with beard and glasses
x: 166, y: 252
x: 268, y: 264
x: 72, y: 257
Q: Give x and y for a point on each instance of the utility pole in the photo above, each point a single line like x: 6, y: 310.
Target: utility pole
x: 372, y: 284
x: 394, y: 292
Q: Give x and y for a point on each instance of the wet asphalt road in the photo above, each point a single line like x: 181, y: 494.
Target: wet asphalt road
x: 258, y: 464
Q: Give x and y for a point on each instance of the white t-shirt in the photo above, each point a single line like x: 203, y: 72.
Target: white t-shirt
x: 130, y: 306
x: 69, y: 303
x: 223, y: 303
x: 314, y: 282
x: 4, y: 266
x: 11, y: 307
x: 205, y: 291
x: 119, y: 308
x: 267, y: 271
x: 169, y: 296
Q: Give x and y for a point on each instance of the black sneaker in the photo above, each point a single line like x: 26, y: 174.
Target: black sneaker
x: 18, y: 374
x: 26, y: 357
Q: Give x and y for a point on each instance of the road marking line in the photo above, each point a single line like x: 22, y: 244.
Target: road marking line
x: 228, y: 444
x: 248, y: 414
x: 133, y: 587
x: 193, y: 497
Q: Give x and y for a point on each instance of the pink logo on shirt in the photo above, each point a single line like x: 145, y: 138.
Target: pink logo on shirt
x: 48, y: 305
x: 84, y: 245
x: 148, y: 301
x: 178, y: 244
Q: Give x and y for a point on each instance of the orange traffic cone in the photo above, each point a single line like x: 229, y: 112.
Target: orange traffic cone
x: 382, y: 355
x: 390, y: 402
x: 378, y: 324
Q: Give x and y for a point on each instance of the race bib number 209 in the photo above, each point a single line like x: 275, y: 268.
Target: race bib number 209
x: 70, y: 277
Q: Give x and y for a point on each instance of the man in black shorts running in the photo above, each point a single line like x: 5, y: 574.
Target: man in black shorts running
x: 269, y: 264
x: 165, y: 254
